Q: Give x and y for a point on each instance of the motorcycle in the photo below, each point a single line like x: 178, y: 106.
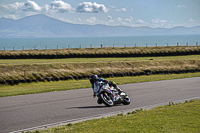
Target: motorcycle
x: 110, y: 96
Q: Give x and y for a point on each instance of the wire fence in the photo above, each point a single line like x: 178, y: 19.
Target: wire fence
x: 46, y: 47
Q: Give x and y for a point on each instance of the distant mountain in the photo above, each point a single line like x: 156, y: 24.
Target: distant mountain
x: 44, y: 26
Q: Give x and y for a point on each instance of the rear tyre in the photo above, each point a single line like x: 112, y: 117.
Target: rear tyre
x: 106, y: 99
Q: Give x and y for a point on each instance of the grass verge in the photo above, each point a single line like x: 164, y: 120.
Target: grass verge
x: 39, y: 70
x: 40, y: 87
x: 100, y: 52
x: 178, y: 118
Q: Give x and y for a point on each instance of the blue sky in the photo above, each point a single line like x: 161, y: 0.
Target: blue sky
x: 134, y: 13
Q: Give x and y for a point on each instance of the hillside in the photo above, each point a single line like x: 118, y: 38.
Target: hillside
x: 44, y: 26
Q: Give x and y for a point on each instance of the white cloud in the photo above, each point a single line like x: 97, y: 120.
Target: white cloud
x: 12, y: 8
x: 139, y: 21
x: 109, y: 17
x: 78, y: 19
x: 121, y: 10
x: 90, y: 7
x: 191, y: 20
x: 61, y: 6
x: 191, y: 23
x: 31, y: 6
x: 113, y: 8
x: 15, y: 6
x: 119, y: 19
x: 157, y: 20
x: 127, y: 20
x: 92, y: 20
x: 181, y: 6
x: 20, y: 7
x: 10, y: 16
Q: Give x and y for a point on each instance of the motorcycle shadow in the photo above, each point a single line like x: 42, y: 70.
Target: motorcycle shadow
x: 102, y: 106
x: 90, y: 107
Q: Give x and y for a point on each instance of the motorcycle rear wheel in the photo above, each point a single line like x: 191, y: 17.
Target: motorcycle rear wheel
x: 106, y: 99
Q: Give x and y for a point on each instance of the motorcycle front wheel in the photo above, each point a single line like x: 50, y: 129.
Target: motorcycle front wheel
x: 106, y: 99
x: 126, y: 100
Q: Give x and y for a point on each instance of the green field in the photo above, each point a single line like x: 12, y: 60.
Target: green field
x: 90, y: 60
x: 172, y: 118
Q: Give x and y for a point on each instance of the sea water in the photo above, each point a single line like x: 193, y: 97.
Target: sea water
x: 96, y: 42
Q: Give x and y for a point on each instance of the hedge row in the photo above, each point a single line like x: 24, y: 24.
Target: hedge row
x: 106, y: 53
x: 106, y: 75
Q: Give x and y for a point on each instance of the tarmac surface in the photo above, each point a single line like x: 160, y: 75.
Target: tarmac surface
x: 33, y: 110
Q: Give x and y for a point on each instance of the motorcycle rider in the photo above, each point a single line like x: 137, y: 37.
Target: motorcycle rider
x: 96, y: 84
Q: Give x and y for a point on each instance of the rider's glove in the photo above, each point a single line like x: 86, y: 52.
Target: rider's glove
x: 106, y: 81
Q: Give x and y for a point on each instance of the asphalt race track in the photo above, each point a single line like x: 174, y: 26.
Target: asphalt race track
x: 26, y: 111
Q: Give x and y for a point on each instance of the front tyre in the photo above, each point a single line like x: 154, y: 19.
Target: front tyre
x: 106, y: 99
x: 126, y: 100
